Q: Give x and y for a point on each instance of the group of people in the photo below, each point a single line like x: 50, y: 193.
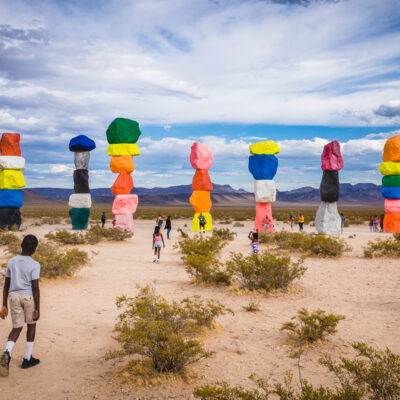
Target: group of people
x: 375, y: 223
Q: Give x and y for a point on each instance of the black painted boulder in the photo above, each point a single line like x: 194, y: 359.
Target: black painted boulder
x: 329, y: 188
x: 9, y: 216
x: 81, y: 181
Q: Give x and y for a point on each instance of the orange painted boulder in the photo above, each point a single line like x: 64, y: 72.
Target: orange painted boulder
x: 391, y: 151
x: 123, y: 184
x: 201, y: 201
x: 201, y: 156
x: 202, y: 180
x: 122, y: 164
x: 391, y: 223
x: 125, y: 204
x: 263, y: 209
x: 9, y: 144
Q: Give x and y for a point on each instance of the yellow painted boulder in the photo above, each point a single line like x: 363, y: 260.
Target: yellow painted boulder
x: 391, y: 152
x: 11, y: 179
x: 390, y: 168
x: 123, y: 149
x: 196, y: 222
x: 268, y: 147
x: 201, y: 201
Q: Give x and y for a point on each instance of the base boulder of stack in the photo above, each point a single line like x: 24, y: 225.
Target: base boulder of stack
x: 328, y: 220
x: 196, y: 222
x: 124, y: 222
x: 9, y: 217
x: 79, y: 217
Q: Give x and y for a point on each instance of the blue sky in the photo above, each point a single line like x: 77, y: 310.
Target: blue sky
x: 226, y: 73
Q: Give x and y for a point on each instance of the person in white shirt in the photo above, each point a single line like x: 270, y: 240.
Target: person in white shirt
x: 21, y: 289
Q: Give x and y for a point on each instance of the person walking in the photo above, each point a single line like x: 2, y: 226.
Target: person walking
x: 300, y: 221
x: 159, y: 221
x: 253, y: 236
x: 202, y: 222
x: 371, y: 223
x: 382, y: 217
x: 376, y: 223
x: 291, y: 221
x: 103, y: 219
x: 168, y: 226
x: 342, y: 219
x: 21, y: 289
x: 158, y: 241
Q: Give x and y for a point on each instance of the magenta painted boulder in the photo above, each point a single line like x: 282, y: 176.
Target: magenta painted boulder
x: 124, y: 222
x: 201, y: 156
x: 392, y: 206
x: 331, y: 157
x: 125, y: 204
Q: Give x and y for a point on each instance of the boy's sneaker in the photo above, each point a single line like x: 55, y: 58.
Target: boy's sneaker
x: 5, y: 364
x: 158, y: 261
x: 29, y: 363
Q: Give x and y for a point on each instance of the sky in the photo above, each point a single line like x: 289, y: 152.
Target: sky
x: 226, y: 73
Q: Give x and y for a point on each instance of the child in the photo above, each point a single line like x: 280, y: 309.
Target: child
x: 253, y: 236
x: 21, y: 289
x: 158, y: 240
x: 202, y: 221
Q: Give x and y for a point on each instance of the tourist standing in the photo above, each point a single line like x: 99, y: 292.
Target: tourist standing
x: 168, y: 226
x: 202, y: 222
x: 159, y: 221
x: 266, y: 223
x: 382, y: 217
x: 343, y: 219
x: 103, y: 219
x: 291, y: 221
x: 371, y: 223
x: 300, y: 221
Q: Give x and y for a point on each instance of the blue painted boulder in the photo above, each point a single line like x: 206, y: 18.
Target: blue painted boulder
x: 11, y: 198
x: 390, y: 192
x: 81, y: 143
x: 263, y: 166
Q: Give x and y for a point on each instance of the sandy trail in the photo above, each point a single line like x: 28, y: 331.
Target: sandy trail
x: 78, y: 315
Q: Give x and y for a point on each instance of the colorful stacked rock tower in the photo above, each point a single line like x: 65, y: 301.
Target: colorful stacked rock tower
x: 390, y: 168
x: 80, y: 201
x: 11, y: 180
x: 201, y: 158
x: 122, y: 135
x: 263, y: 165
x: 328, y: 220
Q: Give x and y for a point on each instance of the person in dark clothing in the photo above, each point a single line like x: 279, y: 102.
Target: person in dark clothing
x: 202, y: 222
x: 103, y: 219
x: 168, y: 226
x: 253, y: 236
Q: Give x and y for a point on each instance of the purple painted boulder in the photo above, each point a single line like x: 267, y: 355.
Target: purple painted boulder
x: 201, y: 156
x: 331, y: 158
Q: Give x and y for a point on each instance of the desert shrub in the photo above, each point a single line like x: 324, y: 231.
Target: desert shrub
x: 373, y: 372
x: 226, y: 222
x: 252, y: 307
x: 164, y: 332
x: 306, y: 243
x: 308, y: 327
x: 7, y: 237
x: 383, y: 247
x: 66, y: 237
x: 200, y: 256
x: 50, y: 220
x: 224, y: 234
x: 238, y: 225
x: 265, y: 270
x: 182, y: 233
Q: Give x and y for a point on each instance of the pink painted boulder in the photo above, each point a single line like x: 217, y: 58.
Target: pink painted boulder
x: 263, y: 209
x: 392, y: 206
x: 124, y: 222
x: 125, y: 204
x: 331, y: 157
x: 201, y: 156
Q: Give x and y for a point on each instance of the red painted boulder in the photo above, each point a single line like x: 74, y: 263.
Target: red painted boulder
x: 263, y: 209
x: 9, y: 144
x: 201, y: 156
x: 123, y: 184
x: 125, y: 204
x: 202, y: 180
x: 331, y: 158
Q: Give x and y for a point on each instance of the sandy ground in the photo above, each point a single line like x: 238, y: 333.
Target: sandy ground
x: 78, y: 315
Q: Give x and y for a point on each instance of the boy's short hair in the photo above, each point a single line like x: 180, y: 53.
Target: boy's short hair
x: 29, y: 243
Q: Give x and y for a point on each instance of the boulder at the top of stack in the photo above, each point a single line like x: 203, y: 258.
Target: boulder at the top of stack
x: 391, y: 151
x: 263, y: 166
x: 201, y: 156
x: 9, y: 144
x: 123, y: 130
x: 268, y: 147
x: 331, y: 157
x: 81, y: 143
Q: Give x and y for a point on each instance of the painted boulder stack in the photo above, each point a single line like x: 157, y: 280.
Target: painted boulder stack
x: 80, y: 201
x: 328, y: 220
x: 11, y: 180
x: 390, y: 168
x: 122, y: 135
x: 263, y: 165
x: 201, y: 158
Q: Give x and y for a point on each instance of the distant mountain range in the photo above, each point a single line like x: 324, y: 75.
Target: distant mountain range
x: 361, y: 194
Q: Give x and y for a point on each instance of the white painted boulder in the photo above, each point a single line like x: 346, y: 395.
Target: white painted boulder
x: 264, y: 190
x: 80, y: 200
x: 328, y: 220
x: 12, y: 162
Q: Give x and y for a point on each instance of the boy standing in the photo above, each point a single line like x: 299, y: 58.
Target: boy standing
x: 21, y: 288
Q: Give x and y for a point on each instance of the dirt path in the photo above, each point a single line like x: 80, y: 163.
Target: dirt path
x: 78, y: 315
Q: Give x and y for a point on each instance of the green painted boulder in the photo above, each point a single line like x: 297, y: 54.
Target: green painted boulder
x: 79, y: 217
x: 123, y: 130
x: 391, y: 180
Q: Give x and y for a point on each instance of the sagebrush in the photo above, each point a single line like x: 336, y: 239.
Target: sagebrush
x: 389, y: 247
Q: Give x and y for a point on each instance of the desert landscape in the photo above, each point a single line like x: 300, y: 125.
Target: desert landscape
x: 78, y: 316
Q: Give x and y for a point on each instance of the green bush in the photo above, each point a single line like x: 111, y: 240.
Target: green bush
x: 7, y: 237
x: 238, y: 225
x: 265, y: 270
x: 252, y: 307
x: 164, y: 332
x: 182, y: 233
x: 66, y: 237
x: 224, y: 234
x: 383, y: 247
x: 306, y: 243
x: 308, y: 327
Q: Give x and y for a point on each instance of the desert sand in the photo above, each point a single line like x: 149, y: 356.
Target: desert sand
x: 78, y: 315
